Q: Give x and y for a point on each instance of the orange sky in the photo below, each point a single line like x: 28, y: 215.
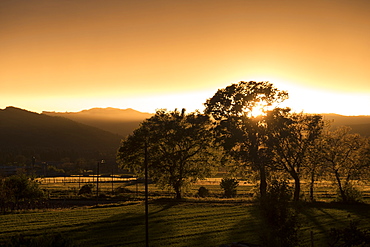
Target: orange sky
x: 77, y: 54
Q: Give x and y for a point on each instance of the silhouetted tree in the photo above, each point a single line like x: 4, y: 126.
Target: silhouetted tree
x: 180, y: 149
x: 314, y: 169
x: 229, y: 186
x: 239, y: 132
x: 290, y: 137
x: 345, y: 157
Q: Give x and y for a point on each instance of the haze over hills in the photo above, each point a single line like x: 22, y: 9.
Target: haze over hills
x: 118, y: 121
x: 124, y: 121
x: 359, y: 124
x: 24, y: 130
x: 95, y: 128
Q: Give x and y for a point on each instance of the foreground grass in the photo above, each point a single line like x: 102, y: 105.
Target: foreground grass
x: 173, y: 223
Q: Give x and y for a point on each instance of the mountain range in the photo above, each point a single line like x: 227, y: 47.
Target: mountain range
x: 93, y: 131
x: 359, y: 124
x: 124, y: 121
x: 28, y: 133
x: 117, y: 121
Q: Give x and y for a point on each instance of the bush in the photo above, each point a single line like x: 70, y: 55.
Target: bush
x: 229, y: 186
x: 18, y: 192
x: 203, y: 192
x: 349, y: 236
x: 352, y: 195
x: 122, y: 189
x: 86, y: 189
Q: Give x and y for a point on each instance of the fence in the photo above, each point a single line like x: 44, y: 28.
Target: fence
x: 83, y: 179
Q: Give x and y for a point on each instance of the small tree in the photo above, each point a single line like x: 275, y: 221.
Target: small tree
x: 229, y: 186
x: 290, y: 138
x: 314, y: 169
x: 345, y: 156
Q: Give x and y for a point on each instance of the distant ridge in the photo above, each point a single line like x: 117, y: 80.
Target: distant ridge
x: 114, y: 120
x: 359, y: 124
x: 21, y: 129
x: 116, y: 113
x: 124, y: 121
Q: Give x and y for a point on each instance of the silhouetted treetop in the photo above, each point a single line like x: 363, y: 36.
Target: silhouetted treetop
x: 236, y: 129
x: 239, y: 99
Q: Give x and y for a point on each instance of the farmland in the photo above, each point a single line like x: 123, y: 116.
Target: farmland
x: 174, y: 224
x: 68, y: 187
x: 191, y: 222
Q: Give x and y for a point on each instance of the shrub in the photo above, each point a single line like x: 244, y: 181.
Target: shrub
x: 122, y: 189
x: 229, y: 186
x: 19, y: 191
x: 203, y: 192
x: 349, y: 236
x: 352, y: 195
x: 86, y: 189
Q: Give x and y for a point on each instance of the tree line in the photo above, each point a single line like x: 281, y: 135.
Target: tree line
x: 277, y: 144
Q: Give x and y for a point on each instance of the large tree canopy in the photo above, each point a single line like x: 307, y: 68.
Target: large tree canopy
x: 180, y: 149
x: 240, y: 99
x: 241, y: 133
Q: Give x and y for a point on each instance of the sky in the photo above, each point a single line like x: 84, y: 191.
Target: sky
x: 71, y: 55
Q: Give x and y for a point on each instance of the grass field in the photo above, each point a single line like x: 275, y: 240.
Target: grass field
x: 192, y: 222
x: 324, y: 191
x: 189, y: 223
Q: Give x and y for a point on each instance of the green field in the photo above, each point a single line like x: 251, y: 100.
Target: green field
x: 324, y: 191
x: 188, y: 223
x: 118, y: 220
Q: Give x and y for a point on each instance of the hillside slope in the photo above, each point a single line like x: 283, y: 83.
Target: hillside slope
x: 359, y: 124
x: 124, y: 121
x: 117, y: 121
x: 20, y: 129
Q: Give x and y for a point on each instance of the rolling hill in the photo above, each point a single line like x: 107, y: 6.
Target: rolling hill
x: 124, y: 121
x: 359, y: 124
x: 24, y: 130
x: 117, y: 121
x: 94, y: 129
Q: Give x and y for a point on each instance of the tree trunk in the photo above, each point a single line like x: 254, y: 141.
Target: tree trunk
x: 263, y: 183
x: 341, y: 190
x: 177, y: 188
x: 312, y: 184
x: 297, y: 187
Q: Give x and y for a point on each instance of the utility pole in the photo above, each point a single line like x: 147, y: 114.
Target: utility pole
x: 112, y: 177
x: 146, y: 195
x: 97, y: 177
x: 33, y: 166
x: 97, y: 180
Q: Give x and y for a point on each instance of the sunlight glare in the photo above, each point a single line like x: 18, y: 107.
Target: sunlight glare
x: 258, y: 110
